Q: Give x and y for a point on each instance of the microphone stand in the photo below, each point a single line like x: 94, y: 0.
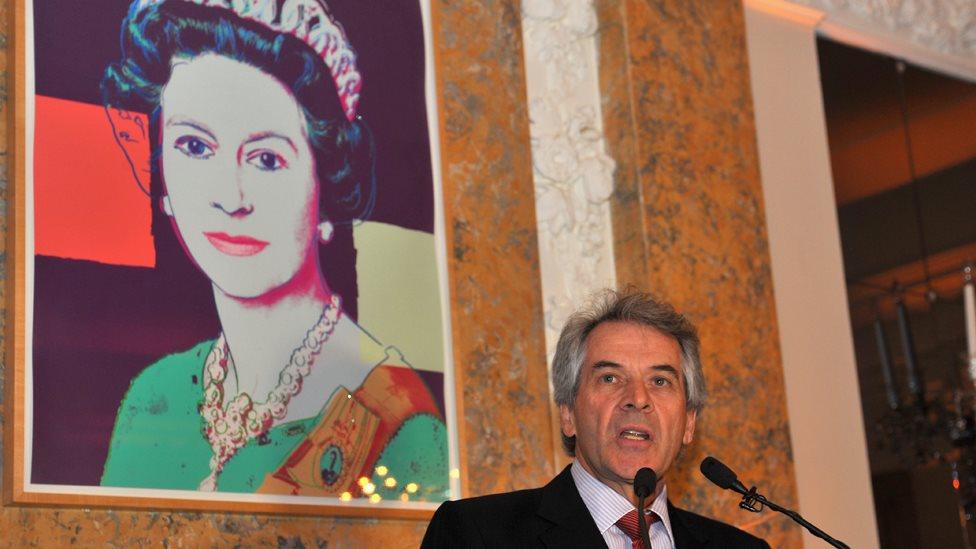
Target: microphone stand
x: 642, y: 522
x: 644, y: 482
x: 751, y: 498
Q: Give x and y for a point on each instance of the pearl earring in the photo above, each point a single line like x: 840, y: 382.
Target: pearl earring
x: 167, y: 207
x: 326, y: 230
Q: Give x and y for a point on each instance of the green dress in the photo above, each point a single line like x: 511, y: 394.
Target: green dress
x: 159, y: 441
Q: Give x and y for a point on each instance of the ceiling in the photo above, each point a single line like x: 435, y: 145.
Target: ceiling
x: 865, y: 123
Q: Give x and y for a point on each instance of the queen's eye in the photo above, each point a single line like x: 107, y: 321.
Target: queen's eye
x: 194, y: 147
x: 266, y: 160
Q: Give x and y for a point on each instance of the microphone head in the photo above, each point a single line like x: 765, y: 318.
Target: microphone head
x: 716, y: 471
x: 644, y: 482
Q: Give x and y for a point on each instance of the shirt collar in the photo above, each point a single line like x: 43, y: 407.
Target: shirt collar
x: 606, y: 506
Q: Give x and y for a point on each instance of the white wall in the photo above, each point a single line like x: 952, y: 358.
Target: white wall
x: 829, y: 449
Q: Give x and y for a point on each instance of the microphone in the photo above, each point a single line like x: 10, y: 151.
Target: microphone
x: 720, y: 475
x: 644, y: 482
x: 723, y: 477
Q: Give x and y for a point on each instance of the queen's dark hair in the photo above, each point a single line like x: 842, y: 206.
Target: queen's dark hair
x: 344, y: 150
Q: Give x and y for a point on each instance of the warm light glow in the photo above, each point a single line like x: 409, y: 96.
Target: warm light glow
x: 375, y: 498
x: 363, y: 481
x: 369, y: 488
x: 390, y: 482
x: 382, y: 470
x: 404, y: 498
x: 412, y: 488
x: 345, y: 496
x: 955, y: 483
x: 455, y: 473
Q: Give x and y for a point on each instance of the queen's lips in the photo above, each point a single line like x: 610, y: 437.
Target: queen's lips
x: 238, y: 245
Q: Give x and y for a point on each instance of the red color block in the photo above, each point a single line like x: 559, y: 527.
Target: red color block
x: 87, y: 203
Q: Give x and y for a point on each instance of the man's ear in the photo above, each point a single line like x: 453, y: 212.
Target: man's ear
x: 566, y: 421
x: 131, y: 131
x: 690, y: 427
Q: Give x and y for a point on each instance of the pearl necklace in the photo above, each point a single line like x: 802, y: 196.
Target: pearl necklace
x: 229, y: 430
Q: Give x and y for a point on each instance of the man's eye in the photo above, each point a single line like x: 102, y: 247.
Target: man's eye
x: 266, y: 160
x: 608, y: 378
x: 661, y: 381
x: 194, y: 147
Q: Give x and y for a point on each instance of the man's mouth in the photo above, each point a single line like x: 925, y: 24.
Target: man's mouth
x: 633, y: 434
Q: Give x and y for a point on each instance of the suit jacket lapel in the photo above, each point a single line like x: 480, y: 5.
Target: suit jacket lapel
x: 685, y: 537
x: 566, y: 522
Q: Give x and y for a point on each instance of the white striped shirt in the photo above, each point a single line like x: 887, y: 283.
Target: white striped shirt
x: 607, y: 506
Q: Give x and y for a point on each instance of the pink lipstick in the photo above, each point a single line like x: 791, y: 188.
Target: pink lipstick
x: 236, y: 245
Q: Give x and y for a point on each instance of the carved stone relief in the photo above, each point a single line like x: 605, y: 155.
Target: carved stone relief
x: 572, y: 171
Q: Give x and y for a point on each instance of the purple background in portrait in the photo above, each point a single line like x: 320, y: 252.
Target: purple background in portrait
x: 95, y: 325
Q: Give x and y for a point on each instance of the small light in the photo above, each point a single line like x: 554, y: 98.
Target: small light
x: 390, y: 482
x: 363, y: 481
x: 955, y: 483
x: 404, y: 498
x: 455, y: 473
x: 375, y: 498
x: 412, y: 488
x: 382, y: 470
x: 346, y: 496
x: 369, y: 488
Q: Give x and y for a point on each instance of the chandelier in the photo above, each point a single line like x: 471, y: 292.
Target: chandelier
x: 925, y: 429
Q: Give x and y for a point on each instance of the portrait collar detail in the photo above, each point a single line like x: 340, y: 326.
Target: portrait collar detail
x: 229, y: 430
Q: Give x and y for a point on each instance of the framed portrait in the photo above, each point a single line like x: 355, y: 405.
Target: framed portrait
x: 227, y: 285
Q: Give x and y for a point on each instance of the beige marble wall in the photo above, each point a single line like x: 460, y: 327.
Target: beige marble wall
x: 689, y: 226
x: 495, y: 285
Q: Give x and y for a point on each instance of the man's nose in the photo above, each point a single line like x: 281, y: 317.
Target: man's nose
x: 638, y: 398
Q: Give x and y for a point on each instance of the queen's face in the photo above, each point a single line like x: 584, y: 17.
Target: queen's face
x: 239, y: 175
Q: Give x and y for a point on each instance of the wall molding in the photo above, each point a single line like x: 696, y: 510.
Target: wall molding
x: 787, y: 11
x: 573, y: 174
x: 945, y: 26
x: 936, y: 34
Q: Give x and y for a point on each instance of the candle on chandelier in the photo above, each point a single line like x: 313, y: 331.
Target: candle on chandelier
x: 884, y: 355
x: 969, y: 301
x: 908, y: 350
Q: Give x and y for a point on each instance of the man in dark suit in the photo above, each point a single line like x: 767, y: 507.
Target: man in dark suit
x: 628, y: 382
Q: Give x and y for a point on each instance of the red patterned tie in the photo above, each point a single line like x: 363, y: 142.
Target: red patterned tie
x: 628, y: 523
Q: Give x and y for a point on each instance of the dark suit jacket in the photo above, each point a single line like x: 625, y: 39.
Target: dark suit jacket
x: 555, y: 516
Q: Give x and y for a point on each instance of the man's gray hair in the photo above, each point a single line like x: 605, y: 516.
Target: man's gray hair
x: 623, y: 306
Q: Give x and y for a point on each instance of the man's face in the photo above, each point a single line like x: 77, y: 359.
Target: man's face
x: 630, y: 410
